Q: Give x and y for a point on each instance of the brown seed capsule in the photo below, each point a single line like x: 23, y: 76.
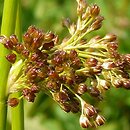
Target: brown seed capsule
x: 57, y: 60
x: 66, y: 107
x: 19, y: 48
x: 32, y: 73
x: 108, y: 65
x: 34, y: 88
x: 104, y: 84
x: 97, y: 69
x: 14, y: 39
x: 97, y: 23
x: 127, y: 58
x: 72, y: 30
x: 31, y: 29
x: 3, y: 39
x: 110, y: 37
x: 53, y: 74
x: 126, y: 83
x: 48, y: 46
x: 66, y: 22
x: 25, y: 53
x: 82, y: 88
x: 84, y: 121
x: 89, y: 110
x: 73, y: 54
x: 34, y: 57
x: 91, y: 62
x: 11, y: 58
x: 28, y: 95
x: 94, y: 92
x: 8, y: 44
x: 52, y: 85
x: 86, y: 14
x: 13, y: 102
x: 49, y: 36
x: 100, y: 120
x: 35, y: 44
x: 27, y: 38
x: 63, y: 97
x: 94, y: 10
x: 117, y: 82
x: 76, y: 63
x: 74, y: 107
x: 25, y: 91
x: 112, y: 46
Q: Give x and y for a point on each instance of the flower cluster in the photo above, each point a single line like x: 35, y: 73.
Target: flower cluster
x: 69, y: 69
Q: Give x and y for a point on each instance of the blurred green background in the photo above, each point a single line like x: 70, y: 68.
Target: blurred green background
x: 45, y: 114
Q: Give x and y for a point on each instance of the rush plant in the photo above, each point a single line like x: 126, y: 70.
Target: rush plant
x: 64, y: 69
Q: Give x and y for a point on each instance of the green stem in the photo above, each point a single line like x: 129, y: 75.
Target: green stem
x: 17, y: 113
x: 7, y: 28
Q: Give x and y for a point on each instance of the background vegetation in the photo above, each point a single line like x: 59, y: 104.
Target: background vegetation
x: 45, y: 114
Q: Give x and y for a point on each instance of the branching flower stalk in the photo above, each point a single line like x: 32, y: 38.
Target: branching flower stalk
x: 69, y: 69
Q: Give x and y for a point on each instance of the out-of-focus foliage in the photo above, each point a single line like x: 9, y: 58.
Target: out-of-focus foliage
x: 44, y: 114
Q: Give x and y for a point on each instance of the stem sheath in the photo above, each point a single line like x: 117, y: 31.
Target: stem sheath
x: 7, y: 28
